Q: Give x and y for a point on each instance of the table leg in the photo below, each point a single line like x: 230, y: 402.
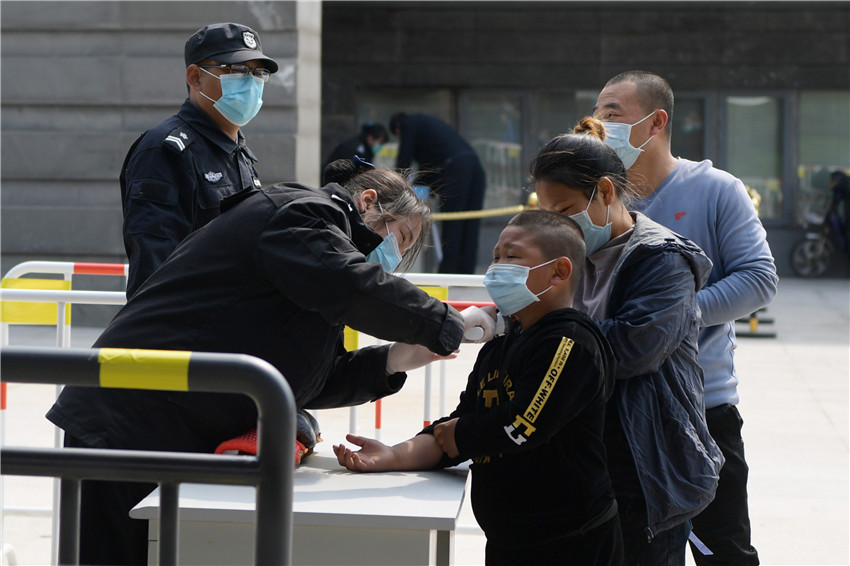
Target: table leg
x: 445, y: 548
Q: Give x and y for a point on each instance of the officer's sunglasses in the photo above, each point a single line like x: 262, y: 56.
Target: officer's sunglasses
x: 238, y: 69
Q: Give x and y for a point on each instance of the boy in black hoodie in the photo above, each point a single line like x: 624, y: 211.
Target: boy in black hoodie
x: 532, y: 414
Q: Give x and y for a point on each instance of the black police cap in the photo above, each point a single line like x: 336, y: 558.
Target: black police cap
x: 226, y: 43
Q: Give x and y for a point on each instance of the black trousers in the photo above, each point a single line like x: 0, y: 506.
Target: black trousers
x: 462, y: 188
x: 666, y: 548
x: 724, y: 526
x: 602, y: 546
x: 107, y: 533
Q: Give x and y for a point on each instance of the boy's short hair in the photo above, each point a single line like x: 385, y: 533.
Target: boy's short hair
x: 555, y: 234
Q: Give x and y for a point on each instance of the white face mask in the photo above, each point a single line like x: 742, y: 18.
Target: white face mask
x: 617, y: 137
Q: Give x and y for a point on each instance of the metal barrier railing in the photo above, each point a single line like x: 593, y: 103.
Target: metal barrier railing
x: 271, y: 471
x: 61, y: 298
x: 67, y: 269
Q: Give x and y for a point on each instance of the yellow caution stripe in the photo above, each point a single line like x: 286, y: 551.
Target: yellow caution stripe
x: 467, y: 214
x: 350, y: 339
x: 165, y: 370
x: 30, y: 312
x: 439, y: 293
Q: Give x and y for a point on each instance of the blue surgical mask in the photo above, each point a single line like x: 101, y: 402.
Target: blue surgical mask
x: 388, y: 254
x: 376, y: 149
x: 505, y: 283
x: 594, y: 236
x: 617, y: 137
x: 241, y: 97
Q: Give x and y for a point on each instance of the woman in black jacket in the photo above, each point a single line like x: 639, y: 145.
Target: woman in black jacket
x: 277, y: 275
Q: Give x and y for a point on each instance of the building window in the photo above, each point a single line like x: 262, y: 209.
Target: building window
x: 688, y: 136
x: 824, y: 147
x: 493, y: 126
x: 755, y: 149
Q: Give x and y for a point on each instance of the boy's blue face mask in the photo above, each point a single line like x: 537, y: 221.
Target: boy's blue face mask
x: 505, y: 283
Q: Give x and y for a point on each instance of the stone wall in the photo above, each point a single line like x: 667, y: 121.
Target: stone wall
x: 82, y: 80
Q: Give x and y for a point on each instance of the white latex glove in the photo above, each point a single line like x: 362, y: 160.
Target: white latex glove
x: 502, y: 324
x: 405, y: 357
x: 479, y: 324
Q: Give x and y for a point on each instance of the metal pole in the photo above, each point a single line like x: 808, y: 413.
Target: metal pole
x: 62, y: 341
x: 427, y: 410
x: 169, y: 523
x: 69, y: 521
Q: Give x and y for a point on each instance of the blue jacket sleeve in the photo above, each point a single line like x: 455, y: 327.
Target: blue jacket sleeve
x: 657, y: 310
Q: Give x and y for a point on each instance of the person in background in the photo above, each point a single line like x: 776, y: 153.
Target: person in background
x: 367, y: 144
x: 839, y: 210
x: 531, y: 417
x: 450, y: 167
x: 712, y: 208
x: 639, y: 283
x: 277, y: 275
x: 175, y: 175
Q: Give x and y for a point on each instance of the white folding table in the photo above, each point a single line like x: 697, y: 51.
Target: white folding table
x: 339, y: 517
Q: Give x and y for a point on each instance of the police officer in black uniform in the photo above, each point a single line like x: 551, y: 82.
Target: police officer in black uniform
x: 450, y: 167
x: 176, y: 174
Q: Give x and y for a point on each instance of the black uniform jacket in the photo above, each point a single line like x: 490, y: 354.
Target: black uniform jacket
x: 432, y: 144
x: 532, y: 420
x: 277, y: 276
x: 172, y: 182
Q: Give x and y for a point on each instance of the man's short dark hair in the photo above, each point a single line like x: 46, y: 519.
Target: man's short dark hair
x: 652, y: 90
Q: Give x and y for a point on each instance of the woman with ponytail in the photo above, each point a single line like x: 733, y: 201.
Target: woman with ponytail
x: 639, y: 283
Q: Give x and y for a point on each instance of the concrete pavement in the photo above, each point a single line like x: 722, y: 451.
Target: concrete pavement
x: 794, y: 400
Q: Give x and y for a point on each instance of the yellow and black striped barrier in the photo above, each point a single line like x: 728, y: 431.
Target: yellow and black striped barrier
x: 271, y: 471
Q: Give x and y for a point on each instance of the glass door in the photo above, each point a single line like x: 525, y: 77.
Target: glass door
x: 754, y: 148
